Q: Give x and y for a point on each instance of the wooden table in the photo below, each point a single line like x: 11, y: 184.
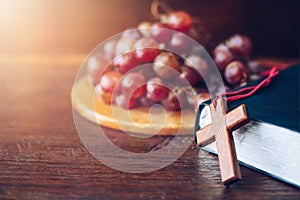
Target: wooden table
x: 42, y: 156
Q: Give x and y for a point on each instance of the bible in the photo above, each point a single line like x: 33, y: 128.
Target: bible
x: 270, y: 142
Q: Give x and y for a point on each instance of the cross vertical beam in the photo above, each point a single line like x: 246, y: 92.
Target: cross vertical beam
x: 229, y: 168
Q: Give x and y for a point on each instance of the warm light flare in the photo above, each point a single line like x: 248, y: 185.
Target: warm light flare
x: 19, y: 21
x: 57, y: 26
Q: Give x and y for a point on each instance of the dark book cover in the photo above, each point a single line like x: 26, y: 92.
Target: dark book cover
x: 277, y: 103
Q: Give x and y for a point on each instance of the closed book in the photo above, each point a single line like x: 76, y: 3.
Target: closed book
x: 270, y: 142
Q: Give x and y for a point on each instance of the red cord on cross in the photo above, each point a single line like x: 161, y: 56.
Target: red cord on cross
x: 240, y: 94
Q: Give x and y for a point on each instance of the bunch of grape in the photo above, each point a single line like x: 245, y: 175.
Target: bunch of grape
x: 165, y: 77
x: 232, y: 59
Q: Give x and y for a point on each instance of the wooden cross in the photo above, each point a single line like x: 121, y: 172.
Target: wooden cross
x: 221, y: 130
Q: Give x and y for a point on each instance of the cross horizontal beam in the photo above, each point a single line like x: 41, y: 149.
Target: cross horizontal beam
x: 234, y: 120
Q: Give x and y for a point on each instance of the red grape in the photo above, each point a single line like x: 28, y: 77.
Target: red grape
x: 240, y: 45
x: 222, y: 56
x: 125, y: 62
x: 124, y: 45
x: 103, y: 96
x: 133, y: 85
x: 109, y: 81
x: 176, y: 100
x: 190, y: 74
x: 165, y: 64
x: 160, y: 32
x: 255, y: 66
x: 144, y: 28
x: 131, y: 34
x: 145, y: 102
x: 199, y: 64
x: 146, y: 70
x: 110, y: 48
x: 235, y: 73
x: 146, y: 49
x: 126, y: 102
x: 156, y: 90
x: 180, y: 21
x: 96, y: 66
x: 179, y: 43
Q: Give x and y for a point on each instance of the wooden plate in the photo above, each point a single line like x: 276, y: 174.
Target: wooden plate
x: 140, y: 120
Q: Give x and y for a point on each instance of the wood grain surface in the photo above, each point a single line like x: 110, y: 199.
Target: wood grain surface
x: 42, y: 157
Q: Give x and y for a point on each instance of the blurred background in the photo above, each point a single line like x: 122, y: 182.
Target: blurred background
x: 77, y: 26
